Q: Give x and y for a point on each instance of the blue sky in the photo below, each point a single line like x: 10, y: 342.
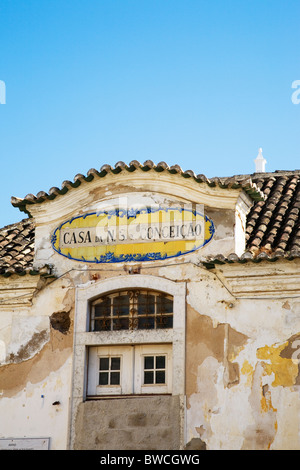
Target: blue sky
x: 199, y: 83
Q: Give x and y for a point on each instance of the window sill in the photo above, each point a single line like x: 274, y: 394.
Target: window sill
x: 140, y: 395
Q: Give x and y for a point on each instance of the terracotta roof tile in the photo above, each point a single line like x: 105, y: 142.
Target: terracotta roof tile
x: 272, y: 230
x: 274, y: 224
x: 244, y: 182
x: 17, y: 247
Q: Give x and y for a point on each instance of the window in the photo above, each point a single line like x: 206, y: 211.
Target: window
x: 109, y: 370
x: 92, y: 342
x: 154, y: 370
x: 132, y: 310
x: 138, y: 369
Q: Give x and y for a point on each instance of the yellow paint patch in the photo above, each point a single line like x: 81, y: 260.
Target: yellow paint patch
x: 266, y: 403
x: 285, y: 370
x: 247, y: 370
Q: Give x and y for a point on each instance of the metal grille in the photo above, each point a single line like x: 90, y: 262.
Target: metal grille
x: 132, y: 310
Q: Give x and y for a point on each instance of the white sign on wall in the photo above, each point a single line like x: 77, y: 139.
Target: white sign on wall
x: 25, y: 444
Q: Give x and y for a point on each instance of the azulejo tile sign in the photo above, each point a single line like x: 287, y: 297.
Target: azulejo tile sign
x: 133, y: 234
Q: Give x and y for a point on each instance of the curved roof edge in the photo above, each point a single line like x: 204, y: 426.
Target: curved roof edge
x: 245, y: 183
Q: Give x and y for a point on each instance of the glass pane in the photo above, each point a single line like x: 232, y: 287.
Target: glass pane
x: 163, y: 321
x: 160, y: 377
x: 121, y: 324
x: 104, y: 363
x: 103, y: 378
x: 102, y: 325
x: 148, y: 377
x: 149, y: 362
x: 165, y: 305
x: 121, y: 305
x: 145, y: 304
x: 146, y: 323
x: 103, y: 308
x: 115, y: 363
x: 168, y: 305
x: 115, y: 378
x: 160, y: 362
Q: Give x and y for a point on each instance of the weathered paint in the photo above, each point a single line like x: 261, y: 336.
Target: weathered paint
x: 235, y: 340
x: 282, y: 362
x: 129, y: 424
x: 133, y: 234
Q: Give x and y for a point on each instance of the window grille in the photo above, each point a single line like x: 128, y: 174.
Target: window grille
x: 132, y: 310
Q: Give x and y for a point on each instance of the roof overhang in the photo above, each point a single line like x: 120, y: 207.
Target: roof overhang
x: 246, y: 184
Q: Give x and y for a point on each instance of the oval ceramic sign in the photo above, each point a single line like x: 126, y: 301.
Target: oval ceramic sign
x: 143, y: 234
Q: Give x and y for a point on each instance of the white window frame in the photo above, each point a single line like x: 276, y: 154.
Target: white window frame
x: 83, y: 339
x: 153, y: 350
x: 132, y: 369
x: 95, y: 353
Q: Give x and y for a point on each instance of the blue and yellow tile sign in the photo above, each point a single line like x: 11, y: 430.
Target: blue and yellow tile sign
x: 133, y: 234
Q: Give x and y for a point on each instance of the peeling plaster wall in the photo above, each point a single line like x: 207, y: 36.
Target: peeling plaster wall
x: 40, y: 409
x: 242, y: 362
x: 129, y: 424
x: 35, y: 371
x: 239, y: 378
x: 242, y: 380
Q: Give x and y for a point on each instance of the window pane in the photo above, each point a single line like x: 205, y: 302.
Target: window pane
x: 165, y: 305
x: 160, y: 377
x: 146, y: 304
x: 102, y: 325
x: 104, y: 363
x: 160, y: 362
x: 149, y: 362
x: 121, y: 305
x: 148, y: 377
x: 115, y: 378
x: 121, y: 324
x: 103, y: 308
x: 146, y: 323
x: 164, y: 321
x: 115, y: 363
x: 103, y: 378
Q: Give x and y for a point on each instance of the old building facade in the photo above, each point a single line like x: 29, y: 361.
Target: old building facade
x: 146, y: 307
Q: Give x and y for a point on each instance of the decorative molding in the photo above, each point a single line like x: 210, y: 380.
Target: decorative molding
x: 17, y: 290
x: 261, y: 281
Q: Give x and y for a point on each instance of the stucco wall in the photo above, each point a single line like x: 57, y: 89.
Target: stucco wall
x: 36, y: 365
x: 235, y: 339
x: 241, y: 383
x: 242, y: 379
x: 151, y: 423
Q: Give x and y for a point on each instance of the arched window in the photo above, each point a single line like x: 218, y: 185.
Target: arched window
x: 134, y: 309
x: 130, y: 337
